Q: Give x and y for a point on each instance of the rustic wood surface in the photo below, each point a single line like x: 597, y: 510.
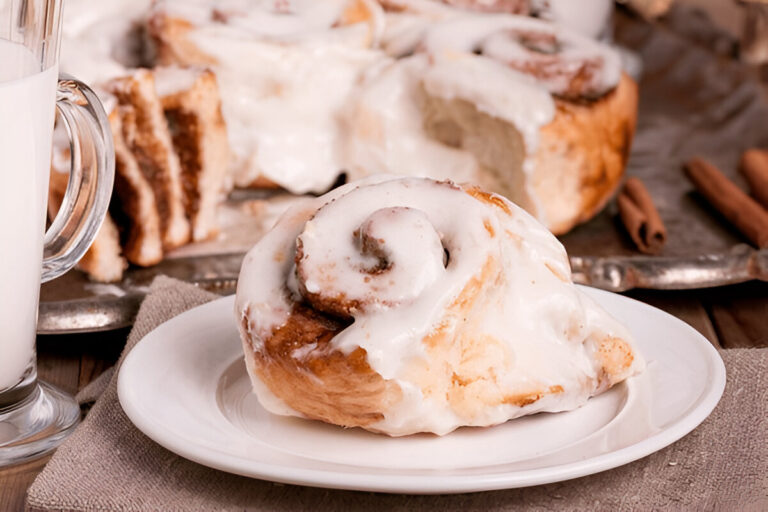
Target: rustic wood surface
x: 730, y: 317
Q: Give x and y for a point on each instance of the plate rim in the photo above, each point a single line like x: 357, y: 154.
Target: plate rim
x: 434, y: 482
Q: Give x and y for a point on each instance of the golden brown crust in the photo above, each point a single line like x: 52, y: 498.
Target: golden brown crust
x: 582, y: 155
x: 262, y: 182
x: 325, y: 384
x: 615, y: 358
x: 504, y: 6
x: 172, y: 44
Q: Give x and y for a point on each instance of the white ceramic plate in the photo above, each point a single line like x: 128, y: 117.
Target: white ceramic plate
x: 185, y: 386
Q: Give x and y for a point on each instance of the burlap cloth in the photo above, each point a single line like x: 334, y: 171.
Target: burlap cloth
x: 107, y: 464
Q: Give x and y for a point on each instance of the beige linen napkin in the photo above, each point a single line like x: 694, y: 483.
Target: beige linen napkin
x: 107, y: 464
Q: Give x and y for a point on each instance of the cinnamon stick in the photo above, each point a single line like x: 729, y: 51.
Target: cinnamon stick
x: 754, y: 167
x: 734, y: 204
x: 641, y: 218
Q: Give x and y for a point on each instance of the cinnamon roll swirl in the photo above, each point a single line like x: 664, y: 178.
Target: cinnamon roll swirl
x: 405, y: 305
x: 546, y: 115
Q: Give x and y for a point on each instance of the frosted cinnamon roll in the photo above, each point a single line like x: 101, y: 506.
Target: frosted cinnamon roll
x: 546, y: 115
x: 410, y: 305
x: 285, y: 69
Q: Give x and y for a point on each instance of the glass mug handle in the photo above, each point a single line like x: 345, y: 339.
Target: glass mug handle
x: 90, y: 180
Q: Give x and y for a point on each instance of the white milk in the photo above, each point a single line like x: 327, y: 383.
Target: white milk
x: 26, y: 125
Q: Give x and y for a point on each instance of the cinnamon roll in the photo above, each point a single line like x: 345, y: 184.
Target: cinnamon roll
x: 546, y: 115
x: 285, y: 69
x: 405, y: 305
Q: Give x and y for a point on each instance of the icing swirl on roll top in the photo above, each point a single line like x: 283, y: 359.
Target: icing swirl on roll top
x: 567, y: 64
x: 384, y: 246
x: 394, y: 256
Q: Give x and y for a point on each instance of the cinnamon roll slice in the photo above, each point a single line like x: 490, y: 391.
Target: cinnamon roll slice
x: 192, y: 106
x: 133, y: 203
x: 146, y: 135
x: 405, y: 305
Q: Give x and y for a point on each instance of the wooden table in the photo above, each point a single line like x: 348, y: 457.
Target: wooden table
x: 730, y: 317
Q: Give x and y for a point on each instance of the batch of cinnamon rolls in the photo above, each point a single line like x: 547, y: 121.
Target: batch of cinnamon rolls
x: 427, y: 293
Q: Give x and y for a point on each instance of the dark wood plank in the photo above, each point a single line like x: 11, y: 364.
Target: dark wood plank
x: 69, y: 362
x: 740, y: 314
x: 99, y: 352
x: 15, y: 481
x: 58, y: 363
x: 685, y: 305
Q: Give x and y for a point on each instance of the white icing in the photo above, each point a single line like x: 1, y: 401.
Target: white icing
x: 386, y: 129
x: 494, y: 89
x: 544, y: 327
x: 173, y: 79
x: 99, y: 39
x: 386, y: 124
x: 491, y: 35
x: 282, y: 91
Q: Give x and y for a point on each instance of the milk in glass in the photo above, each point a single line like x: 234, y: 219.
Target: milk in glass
x: 26, y: 121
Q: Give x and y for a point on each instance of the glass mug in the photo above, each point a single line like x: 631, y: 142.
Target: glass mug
x: 35, y: 417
